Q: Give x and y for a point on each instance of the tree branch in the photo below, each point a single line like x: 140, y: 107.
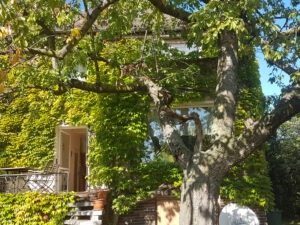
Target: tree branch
x: 293, y: 31
x: 98, y: 58
x: 44, y: 52
x: 60, y: 54
x: 78, y: 84
x: 283, y: 66
x: 280, y: 63
x: 285, y: 109
x: 260, y: 131
x: 85, y: 28
x: 199, y: 131
x: 96, y: 88
x: 171, y: 10
x: 180, y: 151
x: 86, y: 8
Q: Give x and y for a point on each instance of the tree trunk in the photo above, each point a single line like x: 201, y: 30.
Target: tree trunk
x: 199, y: 199
x: 203, y: 175
x: 225, y: 101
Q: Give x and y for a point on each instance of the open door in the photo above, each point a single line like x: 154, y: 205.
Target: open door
x: 71, y: 150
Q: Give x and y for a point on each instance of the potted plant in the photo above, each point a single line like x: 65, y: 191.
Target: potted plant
x: 102, y: 194
x: 100, y: 202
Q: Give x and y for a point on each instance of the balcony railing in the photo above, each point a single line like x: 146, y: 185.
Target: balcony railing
x: 45, y: 182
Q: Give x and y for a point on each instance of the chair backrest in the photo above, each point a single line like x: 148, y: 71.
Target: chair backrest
x: 51, y: 167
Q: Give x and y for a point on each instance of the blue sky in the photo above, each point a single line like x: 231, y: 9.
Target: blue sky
x: 267, y: 87
x: 265, y: 71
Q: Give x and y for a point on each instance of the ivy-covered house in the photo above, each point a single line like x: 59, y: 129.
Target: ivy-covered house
x: 111, y: 139
x: 39, y: 122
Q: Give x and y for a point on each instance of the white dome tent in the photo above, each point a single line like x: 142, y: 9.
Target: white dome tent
x: 234, y: 214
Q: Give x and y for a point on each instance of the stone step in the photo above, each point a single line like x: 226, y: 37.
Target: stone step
x: 83, y: 213
x: 81, y: 204
x: 82, y: 222
x: 86, y: 213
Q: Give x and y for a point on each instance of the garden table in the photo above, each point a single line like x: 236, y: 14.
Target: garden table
x: 13, y: 170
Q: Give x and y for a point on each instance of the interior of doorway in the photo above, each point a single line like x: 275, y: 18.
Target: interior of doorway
x: 71, y: 155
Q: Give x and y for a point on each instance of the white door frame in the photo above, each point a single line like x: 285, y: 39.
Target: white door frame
x: 58, y: 150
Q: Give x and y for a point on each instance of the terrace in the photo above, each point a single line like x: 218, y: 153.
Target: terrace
x: 21, y: 179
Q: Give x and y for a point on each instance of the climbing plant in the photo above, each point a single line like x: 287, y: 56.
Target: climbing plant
x: 118, y: 156
x: 249, y: 183
x: 27, y: 126
x: 33, y: 208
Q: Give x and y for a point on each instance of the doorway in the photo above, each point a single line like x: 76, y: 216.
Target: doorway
x: 71, y: 151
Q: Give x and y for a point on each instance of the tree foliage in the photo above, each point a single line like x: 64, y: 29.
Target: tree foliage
x: 283, y: 156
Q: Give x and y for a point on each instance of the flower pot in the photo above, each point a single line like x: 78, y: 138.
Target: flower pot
x: 102, y: 194
x: 99, y: 204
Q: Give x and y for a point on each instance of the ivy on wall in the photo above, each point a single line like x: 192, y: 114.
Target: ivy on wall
x: 27, y: 125
x: 32, y: 208
x: 249, y: 183
x: 27, y: 128
x: 118, y: 157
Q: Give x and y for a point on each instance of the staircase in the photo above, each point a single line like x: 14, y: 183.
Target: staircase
x: 83, y: 213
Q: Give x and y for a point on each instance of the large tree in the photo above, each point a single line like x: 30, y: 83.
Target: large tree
x: 58, y: 46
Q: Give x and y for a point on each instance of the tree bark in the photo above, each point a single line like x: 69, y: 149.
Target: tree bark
x: 199, y: 196
x: 225, y: 101
x: 202, y: 179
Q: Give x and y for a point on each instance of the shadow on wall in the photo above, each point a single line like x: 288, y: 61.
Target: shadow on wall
x: 167, y: 211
